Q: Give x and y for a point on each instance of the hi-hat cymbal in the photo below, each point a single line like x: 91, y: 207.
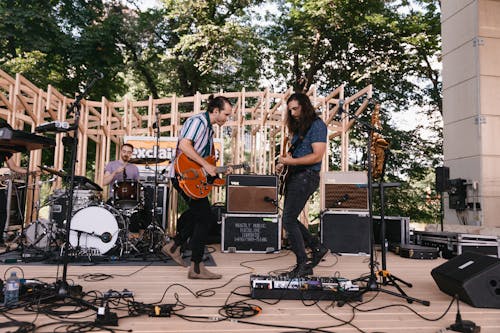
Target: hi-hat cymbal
x: 52, y: 171
x: 146, y: 160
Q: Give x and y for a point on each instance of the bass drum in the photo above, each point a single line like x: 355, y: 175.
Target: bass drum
x: 95, y: 227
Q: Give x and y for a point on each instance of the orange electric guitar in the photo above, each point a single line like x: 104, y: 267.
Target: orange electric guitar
x: 194, y: 180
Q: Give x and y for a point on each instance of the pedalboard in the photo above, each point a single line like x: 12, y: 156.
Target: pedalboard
x: 306, y: 288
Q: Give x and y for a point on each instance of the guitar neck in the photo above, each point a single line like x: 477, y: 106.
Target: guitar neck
x: 223, y: 169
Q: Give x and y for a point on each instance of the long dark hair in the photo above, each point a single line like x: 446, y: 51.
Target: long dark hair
x: 217, y: 102
x: 307, y: 117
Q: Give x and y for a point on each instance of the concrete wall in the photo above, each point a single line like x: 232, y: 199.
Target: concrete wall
x: 471, y: 105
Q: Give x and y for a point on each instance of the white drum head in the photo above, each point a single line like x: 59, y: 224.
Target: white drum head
x: 94, y: 227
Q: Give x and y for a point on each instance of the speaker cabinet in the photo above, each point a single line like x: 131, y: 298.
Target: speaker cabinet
x: 346, y: 232
x: 260, y: 233
x: 457, y: 194
x: 442, y: 178
x: 252, y: 194
x: 344, y: 190
x: 161, y: 202
x: 475, y: 278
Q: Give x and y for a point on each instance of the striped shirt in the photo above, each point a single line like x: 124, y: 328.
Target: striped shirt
x: 199, y: 131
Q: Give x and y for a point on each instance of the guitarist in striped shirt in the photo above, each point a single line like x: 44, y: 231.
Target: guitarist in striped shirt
x: 196, y: 142
x: 304, y: 164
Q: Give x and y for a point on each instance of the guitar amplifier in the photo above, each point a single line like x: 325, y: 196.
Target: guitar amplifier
x: 344, y: 190
x: 252, y: 194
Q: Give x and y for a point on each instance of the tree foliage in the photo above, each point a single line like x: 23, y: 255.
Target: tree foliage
x: 189, y: 46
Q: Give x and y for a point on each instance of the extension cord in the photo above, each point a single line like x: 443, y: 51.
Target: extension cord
x: 118, y: 294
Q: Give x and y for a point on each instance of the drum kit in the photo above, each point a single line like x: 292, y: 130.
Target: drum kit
x: 119, y: 227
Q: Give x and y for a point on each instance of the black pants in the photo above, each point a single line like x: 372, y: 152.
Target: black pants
x: 300, y: 186
x: 195, y: 225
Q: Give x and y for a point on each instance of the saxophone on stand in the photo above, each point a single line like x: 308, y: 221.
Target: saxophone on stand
x: 378, y: 145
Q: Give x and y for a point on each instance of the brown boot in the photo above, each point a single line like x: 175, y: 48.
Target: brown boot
x: 199, y: 271
x: 174, y: 252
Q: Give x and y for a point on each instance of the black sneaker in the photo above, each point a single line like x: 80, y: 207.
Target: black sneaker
x: 318, y: 254
x: 300, y: 270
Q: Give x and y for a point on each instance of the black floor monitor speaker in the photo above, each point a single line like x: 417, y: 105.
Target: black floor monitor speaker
x: 475, y: 278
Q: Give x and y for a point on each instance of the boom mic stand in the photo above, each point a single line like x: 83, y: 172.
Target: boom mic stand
x: 153, y: 226
x: 371, y: 279
x: 62, y: 285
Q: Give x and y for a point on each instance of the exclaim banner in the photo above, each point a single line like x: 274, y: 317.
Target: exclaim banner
x: 145, y: 147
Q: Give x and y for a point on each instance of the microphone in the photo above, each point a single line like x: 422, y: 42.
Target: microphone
x: 125, y: 172
x: 53, y: 126
x: 271, y: 200
x: 344, y: 198
x: 106, y: 237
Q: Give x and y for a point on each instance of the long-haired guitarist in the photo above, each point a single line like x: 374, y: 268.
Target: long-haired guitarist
x: 304, y: 164
x: 196, y: 143
x: 5, y: 157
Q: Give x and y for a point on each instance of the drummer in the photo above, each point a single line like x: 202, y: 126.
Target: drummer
x: 121, y: 169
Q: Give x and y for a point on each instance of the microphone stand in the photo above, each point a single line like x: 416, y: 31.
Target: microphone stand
x: 370, y: 280
x: 75, y: 109
x: 153, y: 226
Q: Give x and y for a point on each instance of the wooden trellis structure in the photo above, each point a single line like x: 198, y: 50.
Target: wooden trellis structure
x: 254, y: 134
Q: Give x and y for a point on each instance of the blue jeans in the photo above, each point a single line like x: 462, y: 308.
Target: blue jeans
x: 299, y: 187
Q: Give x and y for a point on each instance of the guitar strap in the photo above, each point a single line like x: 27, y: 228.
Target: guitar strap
x: 292, y: 148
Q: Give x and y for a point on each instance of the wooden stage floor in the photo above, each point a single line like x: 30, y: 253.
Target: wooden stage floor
x: 381, y: 312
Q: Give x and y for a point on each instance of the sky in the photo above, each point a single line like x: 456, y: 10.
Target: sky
x: 144, y: 4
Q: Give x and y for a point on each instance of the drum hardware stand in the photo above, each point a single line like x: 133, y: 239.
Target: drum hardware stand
x: 371, y: 279
x: 153, y: 227
x: 126, y: 246
x: 19, y: 239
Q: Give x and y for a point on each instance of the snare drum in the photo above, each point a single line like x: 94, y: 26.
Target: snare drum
x: 95, y: 227
x: 126, y: 194
x: 84, y: 198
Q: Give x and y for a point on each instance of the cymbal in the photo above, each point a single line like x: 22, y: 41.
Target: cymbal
x: 52, y: 171
x: 147, y: 160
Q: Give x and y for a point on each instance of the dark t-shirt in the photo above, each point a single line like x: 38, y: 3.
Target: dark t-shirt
x: 316, y: 133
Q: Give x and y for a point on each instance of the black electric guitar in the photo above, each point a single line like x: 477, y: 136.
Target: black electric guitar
x: 286, y: 170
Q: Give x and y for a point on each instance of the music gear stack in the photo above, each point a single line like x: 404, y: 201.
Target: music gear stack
x: 252, y: 222
x: 344, y: 222
x: 307, y: 288
x: 451, y: 244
